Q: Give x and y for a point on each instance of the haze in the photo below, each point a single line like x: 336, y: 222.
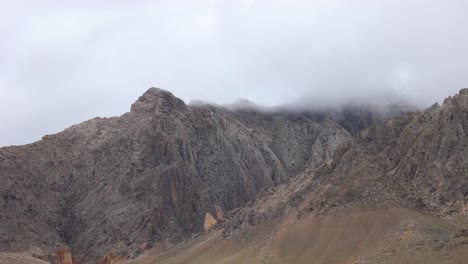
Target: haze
x: 63, y: 62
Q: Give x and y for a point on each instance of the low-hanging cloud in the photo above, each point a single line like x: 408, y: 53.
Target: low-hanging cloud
x: 62, y: 62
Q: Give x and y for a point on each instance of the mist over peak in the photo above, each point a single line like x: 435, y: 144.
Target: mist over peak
x: 65, y: 63
x: 329, y: 99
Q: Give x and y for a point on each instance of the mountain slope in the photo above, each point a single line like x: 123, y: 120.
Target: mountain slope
x: 119, y: 185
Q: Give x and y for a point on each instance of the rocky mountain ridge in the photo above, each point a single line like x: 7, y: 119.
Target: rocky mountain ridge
x: 119, y: 185
x: 396, y: 193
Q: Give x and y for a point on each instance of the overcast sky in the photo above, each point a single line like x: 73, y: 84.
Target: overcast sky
x: 63, y: 62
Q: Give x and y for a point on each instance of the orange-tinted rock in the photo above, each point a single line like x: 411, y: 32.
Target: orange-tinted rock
x: 64, y: 256
x: 209, y: 222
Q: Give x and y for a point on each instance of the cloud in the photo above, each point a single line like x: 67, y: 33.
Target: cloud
x: 62, y: 62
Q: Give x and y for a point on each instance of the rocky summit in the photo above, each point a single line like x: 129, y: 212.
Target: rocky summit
x: 203, y: 183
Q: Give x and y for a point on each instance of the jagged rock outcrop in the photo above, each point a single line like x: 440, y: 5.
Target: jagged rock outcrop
x: 418, y: 160
x: 121, y: 184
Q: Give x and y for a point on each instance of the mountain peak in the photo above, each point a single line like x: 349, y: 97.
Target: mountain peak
x: 155, y: 98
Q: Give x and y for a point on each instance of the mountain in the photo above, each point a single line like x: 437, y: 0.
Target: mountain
x: 396, y: 193
x: 113, y: 188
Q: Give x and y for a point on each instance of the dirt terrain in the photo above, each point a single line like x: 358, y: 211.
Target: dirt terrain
x: 344, y: 236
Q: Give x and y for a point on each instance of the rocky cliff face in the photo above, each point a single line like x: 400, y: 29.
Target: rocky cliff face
x: 418, y: 160
x: 116, y: 186
x: 396, y: 193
